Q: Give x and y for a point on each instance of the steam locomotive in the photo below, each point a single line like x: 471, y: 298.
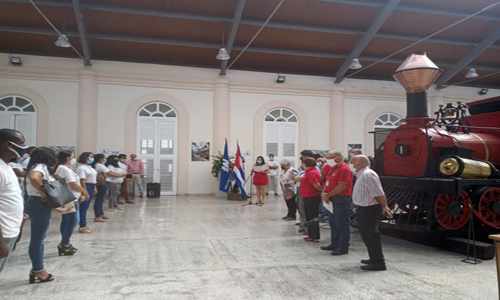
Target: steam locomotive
x: 438, y: 172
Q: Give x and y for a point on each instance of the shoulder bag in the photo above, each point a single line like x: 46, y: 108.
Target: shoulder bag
x: 57, y: 193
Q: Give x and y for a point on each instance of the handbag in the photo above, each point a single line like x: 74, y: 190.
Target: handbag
x: 57, y: 193
x: 65, y: 209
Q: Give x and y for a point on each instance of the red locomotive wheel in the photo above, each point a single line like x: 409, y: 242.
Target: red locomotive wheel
x: 489, y: 205
x: 450, y: 213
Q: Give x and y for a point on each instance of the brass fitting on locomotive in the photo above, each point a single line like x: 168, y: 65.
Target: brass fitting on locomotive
x: 456, y: 166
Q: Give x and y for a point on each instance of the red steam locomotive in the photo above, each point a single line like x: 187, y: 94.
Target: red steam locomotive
x: 437, y: 172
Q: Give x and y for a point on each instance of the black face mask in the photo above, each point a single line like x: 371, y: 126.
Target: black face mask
x: 283, y: 168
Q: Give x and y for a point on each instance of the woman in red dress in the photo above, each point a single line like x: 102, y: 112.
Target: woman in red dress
x: 260, y: 180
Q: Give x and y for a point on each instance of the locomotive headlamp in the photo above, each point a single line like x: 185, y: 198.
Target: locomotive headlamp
x: 465, y: 168
x: 416, y: 74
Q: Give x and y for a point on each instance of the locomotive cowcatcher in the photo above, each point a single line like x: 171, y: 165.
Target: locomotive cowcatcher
x: 437, y: 172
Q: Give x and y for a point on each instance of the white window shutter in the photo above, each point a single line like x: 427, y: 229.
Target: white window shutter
x: 6, y: 121
x: 27, y: 125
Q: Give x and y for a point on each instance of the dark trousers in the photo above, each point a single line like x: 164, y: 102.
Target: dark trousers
x: 368, y: 220
x: 312, y: 211
x: 340, y: 229
x: 292, y: 208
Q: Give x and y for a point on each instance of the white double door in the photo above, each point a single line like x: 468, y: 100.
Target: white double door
x: 157, y: 148
x: 281, y: 140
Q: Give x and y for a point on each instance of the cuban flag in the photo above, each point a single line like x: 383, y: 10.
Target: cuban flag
x: 238, y: 173
x: 225, y: 182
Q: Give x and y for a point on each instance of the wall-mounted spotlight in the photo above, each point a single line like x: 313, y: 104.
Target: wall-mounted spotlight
x: 15, y: 61
x: 483, y: 91
x: 281, y: 79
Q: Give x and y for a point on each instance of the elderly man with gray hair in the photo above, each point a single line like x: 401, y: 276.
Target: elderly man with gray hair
x: 288, y: 188
x: 338, y: 191
x: 371, y: 203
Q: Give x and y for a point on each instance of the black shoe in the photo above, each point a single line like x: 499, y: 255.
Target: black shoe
x: 285, y: 217
x: 297, y: 224
x: 276, y: 194
x: 366, y: 261
x: 267, y: 194
x: 328, y: 248
x: 339, y: 252
x: 374, y: 267
x: 289, y: 219
x: 66, y: 250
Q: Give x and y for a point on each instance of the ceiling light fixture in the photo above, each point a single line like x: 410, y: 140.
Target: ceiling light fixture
x: 483, y: 91
x: 223, y: 55
x: 281, y: 78
x: 62, y: 41
x: 355, y: 64
x: 471, y: 73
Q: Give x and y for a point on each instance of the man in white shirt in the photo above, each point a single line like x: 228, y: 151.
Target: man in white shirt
x: 273, y: 174
x: 11, y: 199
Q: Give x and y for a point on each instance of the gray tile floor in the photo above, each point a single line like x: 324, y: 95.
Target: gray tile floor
x: 208, y: 248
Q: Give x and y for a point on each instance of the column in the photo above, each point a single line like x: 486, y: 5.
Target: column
x: 221, y: 114
x: 87, y: 112
x: 337, y: 120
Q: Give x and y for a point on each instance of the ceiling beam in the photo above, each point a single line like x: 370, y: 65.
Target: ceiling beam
x: 417, y: 9
x: 367, y: 37
x: 82, y: 31
x: 186, y: 43
x: 238, y: 12
x: 467, y: 59
x: 252, y: 22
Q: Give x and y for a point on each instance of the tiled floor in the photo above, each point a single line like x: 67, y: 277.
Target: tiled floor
x: 202, y: 247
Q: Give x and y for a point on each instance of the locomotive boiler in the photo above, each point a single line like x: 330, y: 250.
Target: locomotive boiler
x: 437, y: 172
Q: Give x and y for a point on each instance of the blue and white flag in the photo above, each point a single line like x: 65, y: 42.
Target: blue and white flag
x: 225, y: 182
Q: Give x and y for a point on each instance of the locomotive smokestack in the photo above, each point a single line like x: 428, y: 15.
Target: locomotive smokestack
x: 416, y: 74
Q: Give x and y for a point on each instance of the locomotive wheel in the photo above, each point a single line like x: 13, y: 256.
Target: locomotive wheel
x: 489, y: 205
x: 450, y: 213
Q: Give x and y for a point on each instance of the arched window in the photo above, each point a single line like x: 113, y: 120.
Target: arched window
x: 19, y: 113
x: 383, y: 125
x: 157, y: 109
x: 281, y: 134
x: 157, y: 144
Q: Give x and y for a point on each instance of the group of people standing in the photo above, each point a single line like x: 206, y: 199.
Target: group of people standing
x: 22, y: 194
x: 329, y: 181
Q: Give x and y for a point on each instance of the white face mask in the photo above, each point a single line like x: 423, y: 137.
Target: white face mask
x: 331, y: 162
x: 271, y: 158
x: 72, y: 162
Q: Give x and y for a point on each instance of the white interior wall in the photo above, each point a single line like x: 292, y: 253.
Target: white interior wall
x: 120, y: 84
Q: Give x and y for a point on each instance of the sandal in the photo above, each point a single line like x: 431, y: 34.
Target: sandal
x: 100, y: 220
x: 66, y: 250
x: 34, y: 277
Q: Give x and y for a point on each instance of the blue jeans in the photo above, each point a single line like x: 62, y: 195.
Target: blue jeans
x: 99, y: 200
x: 84, y: 206
x: 68, y: 224
x: 339, y: 222
x: 40, y: 216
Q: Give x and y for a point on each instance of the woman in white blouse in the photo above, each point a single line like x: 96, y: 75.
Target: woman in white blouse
x: 103, y: 173
x: 115, y: 182
x: 70, y: 220
x: 87, y: 176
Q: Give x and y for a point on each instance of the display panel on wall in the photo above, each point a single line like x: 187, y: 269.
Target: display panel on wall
x: 200, y: 151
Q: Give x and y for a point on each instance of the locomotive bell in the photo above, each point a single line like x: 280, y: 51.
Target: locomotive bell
x: 416, y: 74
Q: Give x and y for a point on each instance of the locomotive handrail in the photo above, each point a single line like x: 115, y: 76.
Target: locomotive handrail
x: 433, y: 126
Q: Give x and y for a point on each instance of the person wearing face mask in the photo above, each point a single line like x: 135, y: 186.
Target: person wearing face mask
x: 288, y: 188
x: 273, y: 175
x: 338, y: 191
x: 136, y: 168
x: 41, y: 167
x: 310, y: 188
x: 115, y: 182
x: 69, y: 221
x: 87, y: 176
x: 122, y: 163
x: 24, y: 160
x: 260, y: 180
x: 11, y: 199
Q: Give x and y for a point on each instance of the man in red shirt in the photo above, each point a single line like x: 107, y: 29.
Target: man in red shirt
x: 310, y: 189
x: 338, y: 190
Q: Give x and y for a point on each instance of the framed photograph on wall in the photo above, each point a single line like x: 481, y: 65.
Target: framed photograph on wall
x: 200, y: 151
